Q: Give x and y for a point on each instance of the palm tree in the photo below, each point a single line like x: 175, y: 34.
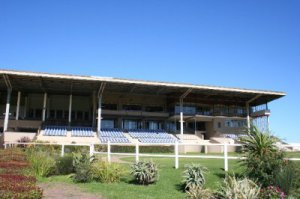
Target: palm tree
x: 262, y: 159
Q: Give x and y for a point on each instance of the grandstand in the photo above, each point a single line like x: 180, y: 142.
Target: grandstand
x: 89, y: 109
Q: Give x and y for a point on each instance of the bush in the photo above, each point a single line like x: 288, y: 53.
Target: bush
x: 145, y: 172
x: 42, y: 164
x: 199, y: 193
x: 233, y: 188
x: 82, y: 165
x: 194, y: 176
x: 105, y: 172
x: 263, y: 160
x: 64, y: 165
x: 271, y: 192
x: 286, y: 178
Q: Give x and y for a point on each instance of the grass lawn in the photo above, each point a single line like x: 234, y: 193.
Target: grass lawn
x: 168, y: 186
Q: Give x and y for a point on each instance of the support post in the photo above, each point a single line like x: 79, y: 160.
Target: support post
x: 248, y: 116
x: 62, y: 150
x: 18, y: 105
x: 70, y: 109
x: 92, y: 149
x: 181, y: 117
x: 225, y: 158
x: 44, y: 107
x: 99, y: 114
x: 6, y: 118
x: 108, y: 152
x: 137, y: 151
x: 176, y: 155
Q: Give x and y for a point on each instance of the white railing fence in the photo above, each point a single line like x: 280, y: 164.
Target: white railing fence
x: 137, y: 153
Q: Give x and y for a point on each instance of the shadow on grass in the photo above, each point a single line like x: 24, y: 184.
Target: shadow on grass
x: 180, y: 187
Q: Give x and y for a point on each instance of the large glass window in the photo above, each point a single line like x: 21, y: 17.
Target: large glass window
x: 153, y: 125
x: 108, y: 123
x: 235, y: 123
x: 131, y: 124
x: 187, y: 110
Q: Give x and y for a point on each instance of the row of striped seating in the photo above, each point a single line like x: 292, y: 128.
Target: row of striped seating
x: 82, y: 132
x: 55, y: 131
x: 152, y: 136
x: 113, y: 136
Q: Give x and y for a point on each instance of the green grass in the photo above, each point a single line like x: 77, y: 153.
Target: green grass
x: 168, y: 186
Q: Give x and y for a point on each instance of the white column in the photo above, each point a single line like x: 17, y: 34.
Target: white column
x: 6, y: 119
x: 99, y: 114
x: 18, y: 105
x: 70, y: 109
x: 92, y: 149
x: 176, y: 155
x: 44, y: 107
x: 62, y: 150
x: 108, y: 152
x: 248, y: 115
x: 225, y: 158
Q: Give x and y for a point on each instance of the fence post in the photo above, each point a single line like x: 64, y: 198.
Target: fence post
x: 62, y: 150
x: 92, y: 149
x: 176, y: 155
x: 108, y: 152
x: 137, y: 151
x: 5, y: 146
x: 225, y: 157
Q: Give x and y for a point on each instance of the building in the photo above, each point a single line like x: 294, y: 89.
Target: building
x: 62, y: 108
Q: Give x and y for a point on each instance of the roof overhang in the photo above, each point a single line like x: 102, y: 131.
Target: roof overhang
x: 86, y: 85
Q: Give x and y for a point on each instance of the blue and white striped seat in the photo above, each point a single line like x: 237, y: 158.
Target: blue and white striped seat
x: 113, y: 135
x: 55, y: 131
x: 82, y: 132
x: 152, y: 136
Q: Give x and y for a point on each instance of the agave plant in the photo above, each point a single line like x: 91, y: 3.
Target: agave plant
x: 194, y: 176
x: 145, y: 172
x: 233, y: 188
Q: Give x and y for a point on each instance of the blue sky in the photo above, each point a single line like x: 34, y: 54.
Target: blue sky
x: 248, y: 44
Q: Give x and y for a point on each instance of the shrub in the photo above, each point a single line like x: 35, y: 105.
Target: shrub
x: 286, y: 178
x: 64, y: 165
x: 104, y: 172
x: 42, y: 164
x: 145, y: 172
x: 271, y: 192
x: 82, y: 165
x: 263, y: 160
x: 194, y: 176
x: 233, y: 188
x: 199, y: 193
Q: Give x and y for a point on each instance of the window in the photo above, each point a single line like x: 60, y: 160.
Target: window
x: 107, y: 123
x: 132, y: 107
x: 154, y: 109
x: 219, y: 124
x: 110, y: 106
x: 131, y: 124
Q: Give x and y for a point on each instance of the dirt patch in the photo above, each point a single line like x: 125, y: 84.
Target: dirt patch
x: 65, y: 191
